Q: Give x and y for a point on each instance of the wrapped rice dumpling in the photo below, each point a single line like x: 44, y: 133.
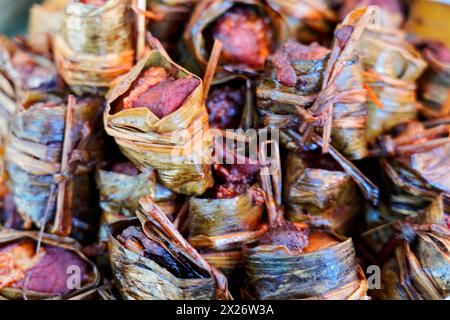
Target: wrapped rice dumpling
x: 276, y: 271
x: 152, y: 261
x: 293, y: 76
x: 391, y: 11
x: 45, y: 21
x: 26, y: 75
x: 434, y: 86
x: 308, y: 21
x: 95, y: 45
x: 226, y: 216
x: 415, y: 162
x: 418, y: 267
x: 51, y: 151
x: 249, y: 31
x: 122, y: 185
x: 292, y: 83
x: 158, y: 118
x: 309, y: 87
x: 294, y: 261
x: 381, y: 221
x: 318, y: 191
x: 392, y: 67
x: 27, y: 259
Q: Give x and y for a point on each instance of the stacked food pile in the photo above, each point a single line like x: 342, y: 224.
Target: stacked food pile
x: 212, y: 149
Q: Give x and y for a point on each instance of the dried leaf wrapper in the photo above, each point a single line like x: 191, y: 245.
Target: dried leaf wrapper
x: 177, y: 146
x: 33, y: 159
x: 89, y: 282
x: 95, y: 45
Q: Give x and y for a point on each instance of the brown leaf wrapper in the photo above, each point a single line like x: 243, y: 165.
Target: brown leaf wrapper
x: 120, y: 194
x: 33, y: 159
x: 178, y: 146
x: 391, y: 11
x: 194, y: 52
x: 418, y: 268
x: 19, y: 81
x: 89, y: 282
x: 7, y: 109
x: 296, y: 261
x: 20, y: 86
x: 139, y: 277
x: 308, y: 21
x: 418, y: 177
x: 320, y: 195
x: 219, y: 227
x: 273, y: 272
x: 434, y: 86
x: 329, y: 93
x: 392, y: 67
x: 382, y: 222
x: 95, y: 44
x: 45, y: 21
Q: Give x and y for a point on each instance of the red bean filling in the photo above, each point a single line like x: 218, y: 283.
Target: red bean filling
x: 126, y: 168
x: 287, y: 235
x: 160, y: 92
x: 225, y: 104
x: 245, y: 35
x: 290, y: 52
x: 47, y: 273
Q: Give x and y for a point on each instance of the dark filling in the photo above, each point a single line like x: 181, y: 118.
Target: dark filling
x: 160, y: 92
x: 288, y: 235
x: 47, y: 272
x: 225, y: 104
x: 297, y: 239
x: 290, y: 52
x: 134, y: 239
x: 235, y: 178
x: 33, y: 75
x: 314, y: 159
x: 126, y: 168
x: 245, y: 35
